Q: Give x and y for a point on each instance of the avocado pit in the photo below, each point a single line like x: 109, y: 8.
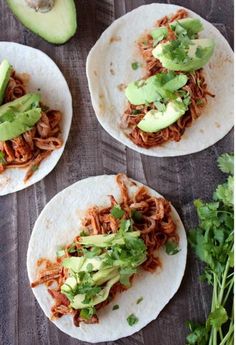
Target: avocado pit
x: 41, y: 5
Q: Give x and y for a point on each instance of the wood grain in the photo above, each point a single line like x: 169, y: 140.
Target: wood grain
x: 91, y: 151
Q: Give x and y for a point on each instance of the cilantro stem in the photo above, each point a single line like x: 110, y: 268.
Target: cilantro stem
x: 228, y: 335
x: 224, y: 281
x: 221, y: 334
x: 228, y: 291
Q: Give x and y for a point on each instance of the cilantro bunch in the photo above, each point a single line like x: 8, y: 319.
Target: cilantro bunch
x: 212, y: 242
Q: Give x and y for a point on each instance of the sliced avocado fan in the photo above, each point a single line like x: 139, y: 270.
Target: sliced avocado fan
x: 57, y: 25
x: 17, y: 124
x: 19, y: 116
x: 103, y: 260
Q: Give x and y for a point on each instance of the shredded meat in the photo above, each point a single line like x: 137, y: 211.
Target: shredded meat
x: 154, y: 221
x: 33, y: 146
x: 196, y: 86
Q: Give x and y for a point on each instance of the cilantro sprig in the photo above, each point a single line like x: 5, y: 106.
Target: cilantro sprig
x: 212, y: 242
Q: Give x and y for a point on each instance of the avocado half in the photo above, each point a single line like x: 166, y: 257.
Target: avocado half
x: 56, y: 26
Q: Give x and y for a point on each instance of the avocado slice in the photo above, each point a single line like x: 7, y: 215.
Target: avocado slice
x: 56, y: 26
x: 5, y: 73
x: 102, y: 276
x: 159, y: 34
x: 77, y: 302
x: 22, y: 104
x: 155, y: 120
x: 69, y: 285
x: 104, y: 241
x: 12, y: 124
x: 154, y: 88
x: 198, y: 54
x: 74, y: 263
x: 77, y: 264
x: 191, y: 25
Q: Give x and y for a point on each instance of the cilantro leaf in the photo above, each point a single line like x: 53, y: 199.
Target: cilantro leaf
x: 158, y: 35
x: 125, y: 225
x: 2, y: 158
x: 226, y: 163
x: 87, y: 313
x: 200, y: 52
x: 198, y: 335
x: 171, y: 247
x: 117, y: 212
x: 139, y: 300
x: 136, y: 216
x: 225, y: 192
x: 217, y: 317
x: 115, y: 307
x: 132, y: 319
x: 135, y: 65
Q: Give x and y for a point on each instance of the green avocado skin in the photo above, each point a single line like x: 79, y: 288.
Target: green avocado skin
x: 21, y: 123
x: 56, y: 26
x: 5, y: 73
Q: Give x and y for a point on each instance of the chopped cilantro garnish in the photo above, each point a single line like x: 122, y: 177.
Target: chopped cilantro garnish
x: 136, y: 216
x: 89, y: 290
x: 135, y: 65
x: 158, y: 35
x: 34, y: 167
x: 199, y: 101
x: 84, y: 233
x: 136, y: 112
x: 200, y: 52
x: 115, y: 307
x: 117, y: 212
x: 2, y: 158
x: 177, y: 50
x: 95, y: 251
x: 87, y: 313
x: 132, y: 319
x: 171, y: 247
x: 125, y: 225
x: 125, y: 274
x: 72, y: 248
x: 139, y: 300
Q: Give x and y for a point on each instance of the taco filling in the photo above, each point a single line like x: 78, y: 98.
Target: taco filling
x: 115, y: 242
x: 173, y: 92
x: 29, y: 130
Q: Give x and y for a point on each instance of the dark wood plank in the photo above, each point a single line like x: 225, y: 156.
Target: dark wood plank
x: 91, y: 151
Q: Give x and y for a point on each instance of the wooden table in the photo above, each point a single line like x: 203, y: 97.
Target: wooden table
x: 91, y: 151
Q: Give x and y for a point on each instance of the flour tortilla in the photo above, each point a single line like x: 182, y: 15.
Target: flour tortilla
x: 109, y: 66
x: 60, y: 222
x: 47, y: 79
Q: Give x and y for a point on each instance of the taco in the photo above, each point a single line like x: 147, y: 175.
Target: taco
x: 156, y: 81
x: 102, y: 251
x: 35, y: 116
